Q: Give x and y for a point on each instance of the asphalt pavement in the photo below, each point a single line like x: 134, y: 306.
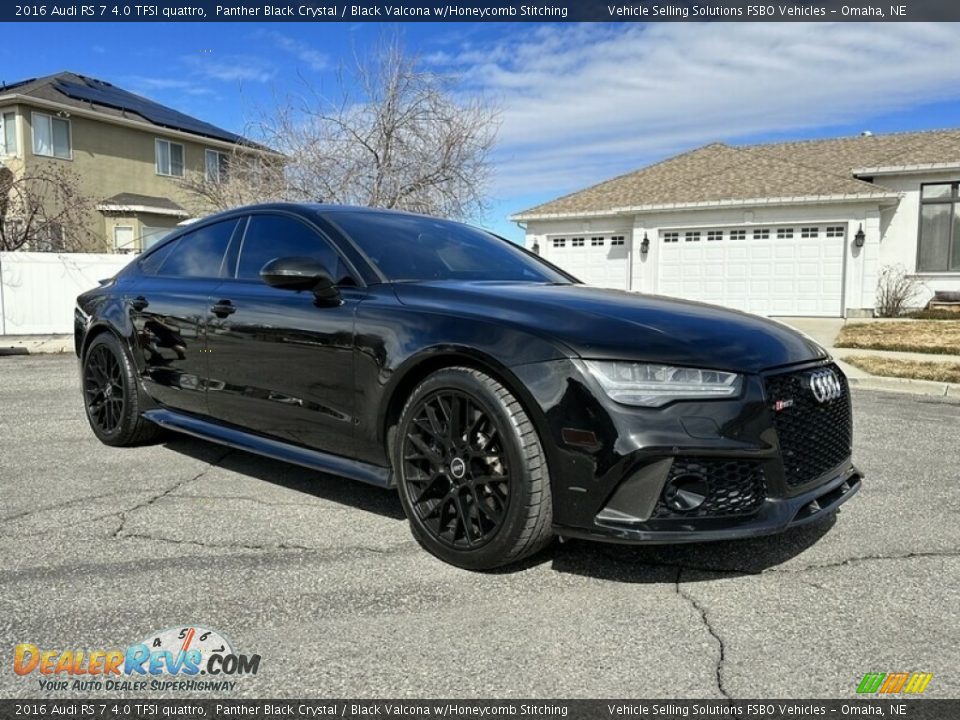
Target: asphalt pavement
x: 102, y: 547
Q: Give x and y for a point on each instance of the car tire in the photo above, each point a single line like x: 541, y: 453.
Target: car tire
x: 471, y: 471
x: 111, y: 395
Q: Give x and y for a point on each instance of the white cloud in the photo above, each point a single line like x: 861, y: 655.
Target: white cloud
x: 304, y: 52
x: 148, y: 85
x: 233, y: 68
x: 585, y: 102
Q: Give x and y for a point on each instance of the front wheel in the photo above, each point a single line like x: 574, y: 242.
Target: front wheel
x: 471, y: 470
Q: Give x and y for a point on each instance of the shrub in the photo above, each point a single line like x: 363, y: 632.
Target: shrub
x: 896, y: 291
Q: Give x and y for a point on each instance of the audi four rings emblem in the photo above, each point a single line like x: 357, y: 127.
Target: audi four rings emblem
x: 825, y: 385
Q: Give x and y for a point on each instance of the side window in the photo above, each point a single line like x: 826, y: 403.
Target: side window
x: 269, y: 237
x: 152, y: 262
x: 199, y: 254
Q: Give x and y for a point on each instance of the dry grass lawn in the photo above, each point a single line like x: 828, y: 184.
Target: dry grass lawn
x: 938, y: 371
x: 926, y: 336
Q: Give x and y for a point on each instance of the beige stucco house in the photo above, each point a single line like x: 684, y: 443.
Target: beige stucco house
x: 130, y: 156
x: 792, y: 228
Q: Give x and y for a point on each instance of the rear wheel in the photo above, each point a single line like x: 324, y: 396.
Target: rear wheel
x: 472, y: 472
x: 110, y: 394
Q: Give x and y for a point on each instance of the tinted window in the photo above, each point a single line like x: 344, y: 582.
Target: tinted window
x: 409, y: 247
x: 269, y: 237
x: 199, y: 253
x: 152, y: 262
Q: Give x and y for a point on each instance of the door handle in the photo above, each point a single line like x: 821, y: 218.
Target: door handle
x: 223, y: 308
x: 139, y: 303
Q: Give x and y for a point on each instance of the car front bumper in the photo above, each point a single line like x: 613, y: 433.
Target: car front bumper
x: 775, y: 515
x: 771, y: 459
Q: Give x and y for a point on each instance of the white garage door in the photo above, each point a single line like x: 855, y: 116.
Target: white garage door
x: 600, y: 260
x: 767, y: 271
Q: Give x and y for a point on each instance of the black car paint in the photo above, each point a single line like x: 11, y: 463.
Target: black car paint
x: 282, y: 376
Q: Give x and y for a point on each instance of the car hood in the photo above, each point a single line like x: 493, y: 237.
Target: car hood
x: 614, y: 324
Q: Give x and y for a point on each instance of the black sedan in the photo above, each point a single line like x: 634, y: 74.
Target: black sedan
x: 507, y: 402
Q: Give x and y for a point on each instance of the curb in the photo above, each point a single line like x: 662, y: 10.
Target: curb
x: 45, y: 346
x: 906, y: 385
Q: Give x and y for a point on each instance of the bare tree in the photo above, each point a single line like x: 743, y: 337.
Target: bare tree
x: 44, y: 210
x: 395, y: 136
x: 896, y: 291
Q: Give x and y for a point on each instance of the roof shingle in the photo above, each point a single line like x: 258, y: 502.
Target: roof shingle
x: 719, y: 172
x: 117, y: 103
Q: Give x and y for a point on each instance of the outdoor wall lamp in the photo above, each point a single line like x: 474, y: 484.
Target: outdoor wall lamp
x: 645, y: 245
x: 536, y: 248
x: 860, y: 238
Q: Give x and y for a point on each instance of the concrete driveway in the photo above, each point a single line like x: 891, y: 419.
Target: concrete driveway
x: 100, y: 547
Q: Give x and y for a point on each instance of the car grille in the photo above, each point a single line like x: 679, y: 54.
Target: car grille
x: 735, y: 487
x: 815, y: 436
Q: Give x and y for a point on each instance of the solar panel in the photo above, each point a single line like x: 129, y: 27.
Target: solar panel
x: 103, y: 93
x: 11, y: 86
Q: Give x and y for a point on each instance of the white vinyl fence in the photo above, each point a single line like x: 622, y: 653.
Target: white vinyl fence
x: 38, y: 291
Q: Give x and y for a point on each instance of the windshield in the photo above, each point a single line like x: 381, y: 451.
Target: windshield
x: 411, y: 247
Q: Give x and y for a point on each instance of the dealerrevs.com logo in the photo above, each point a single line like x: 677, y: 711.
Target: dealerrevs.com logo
x: 190, y: 658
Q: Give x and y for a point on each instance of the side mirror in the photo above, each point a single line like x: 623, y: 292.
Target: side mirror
x: 301, y: 273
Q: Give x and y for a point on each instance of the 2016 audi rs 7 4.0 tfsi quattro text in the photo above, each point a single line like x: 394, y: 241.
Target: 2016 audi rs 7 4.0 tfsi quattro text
x: 505, y: 401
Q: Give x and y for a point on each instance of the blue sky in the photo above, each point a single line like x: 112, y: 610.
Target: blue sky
x: 578, y: 103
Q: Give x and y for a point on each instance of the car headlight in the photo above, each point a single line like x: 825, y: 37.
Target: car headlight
x: 646, y: 385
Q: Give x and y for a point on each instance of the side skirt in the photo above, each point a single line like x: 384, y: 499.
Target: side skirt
x: 313, y: 459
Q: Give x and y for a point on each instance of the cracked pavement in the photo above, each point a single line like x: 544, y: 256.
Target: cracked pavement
x: 100, y: 547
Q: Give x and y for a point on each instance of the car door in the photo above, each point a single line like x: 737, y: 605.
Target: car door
x: 281, y: 364
x: 169, y: 304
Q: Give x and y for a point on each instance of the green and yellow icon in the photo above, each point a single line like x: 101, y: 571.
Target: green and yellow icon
x: 892, y: 683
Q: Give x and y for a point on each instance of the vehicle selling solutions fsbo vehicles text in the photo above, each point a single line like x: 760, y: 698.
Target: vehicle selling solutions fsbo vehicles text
x: 715, y: 11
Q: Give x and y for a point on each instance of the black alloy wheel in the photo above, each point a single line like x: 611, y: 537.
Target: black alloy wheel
x: 472, y: 472
x: 103, y: 389
x: 111, y: 397
x: 455, y: 463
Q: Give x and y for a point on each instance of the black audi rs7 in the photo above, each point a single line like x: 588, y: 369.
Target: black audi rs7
x: 506, y: 401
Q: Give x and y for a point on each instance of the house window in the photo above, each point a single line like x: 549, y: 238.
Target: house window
x: 738, y: 234
x: 761, y: 234
x: 596, y: 242
x: 714, y: 235
x: 835, y: 231
x: 809, y: 232
x: 576, y: 242
x: 169, y: 158
x: 939, y: 228
x: 559, y: 242
x: 784, y: 233
x: 124, y: 239
x: 671, y: 237
x: 8, y: 133
x: 616, y: 240
x: 217, y: 164
x: 693, y: 236
x: 51, y: 136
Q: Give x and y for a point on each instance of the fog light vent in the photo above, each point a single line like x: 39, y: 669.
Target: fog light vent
x: 686, y: 492
x: 711, y: 487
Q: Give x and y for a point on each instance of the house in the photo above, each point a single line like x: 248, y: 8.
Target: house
x: 129, y: 155
x: 793, y: 228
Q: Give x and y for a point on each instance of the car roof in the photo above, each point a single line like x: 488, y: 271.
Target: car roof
x: 310, y: 208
